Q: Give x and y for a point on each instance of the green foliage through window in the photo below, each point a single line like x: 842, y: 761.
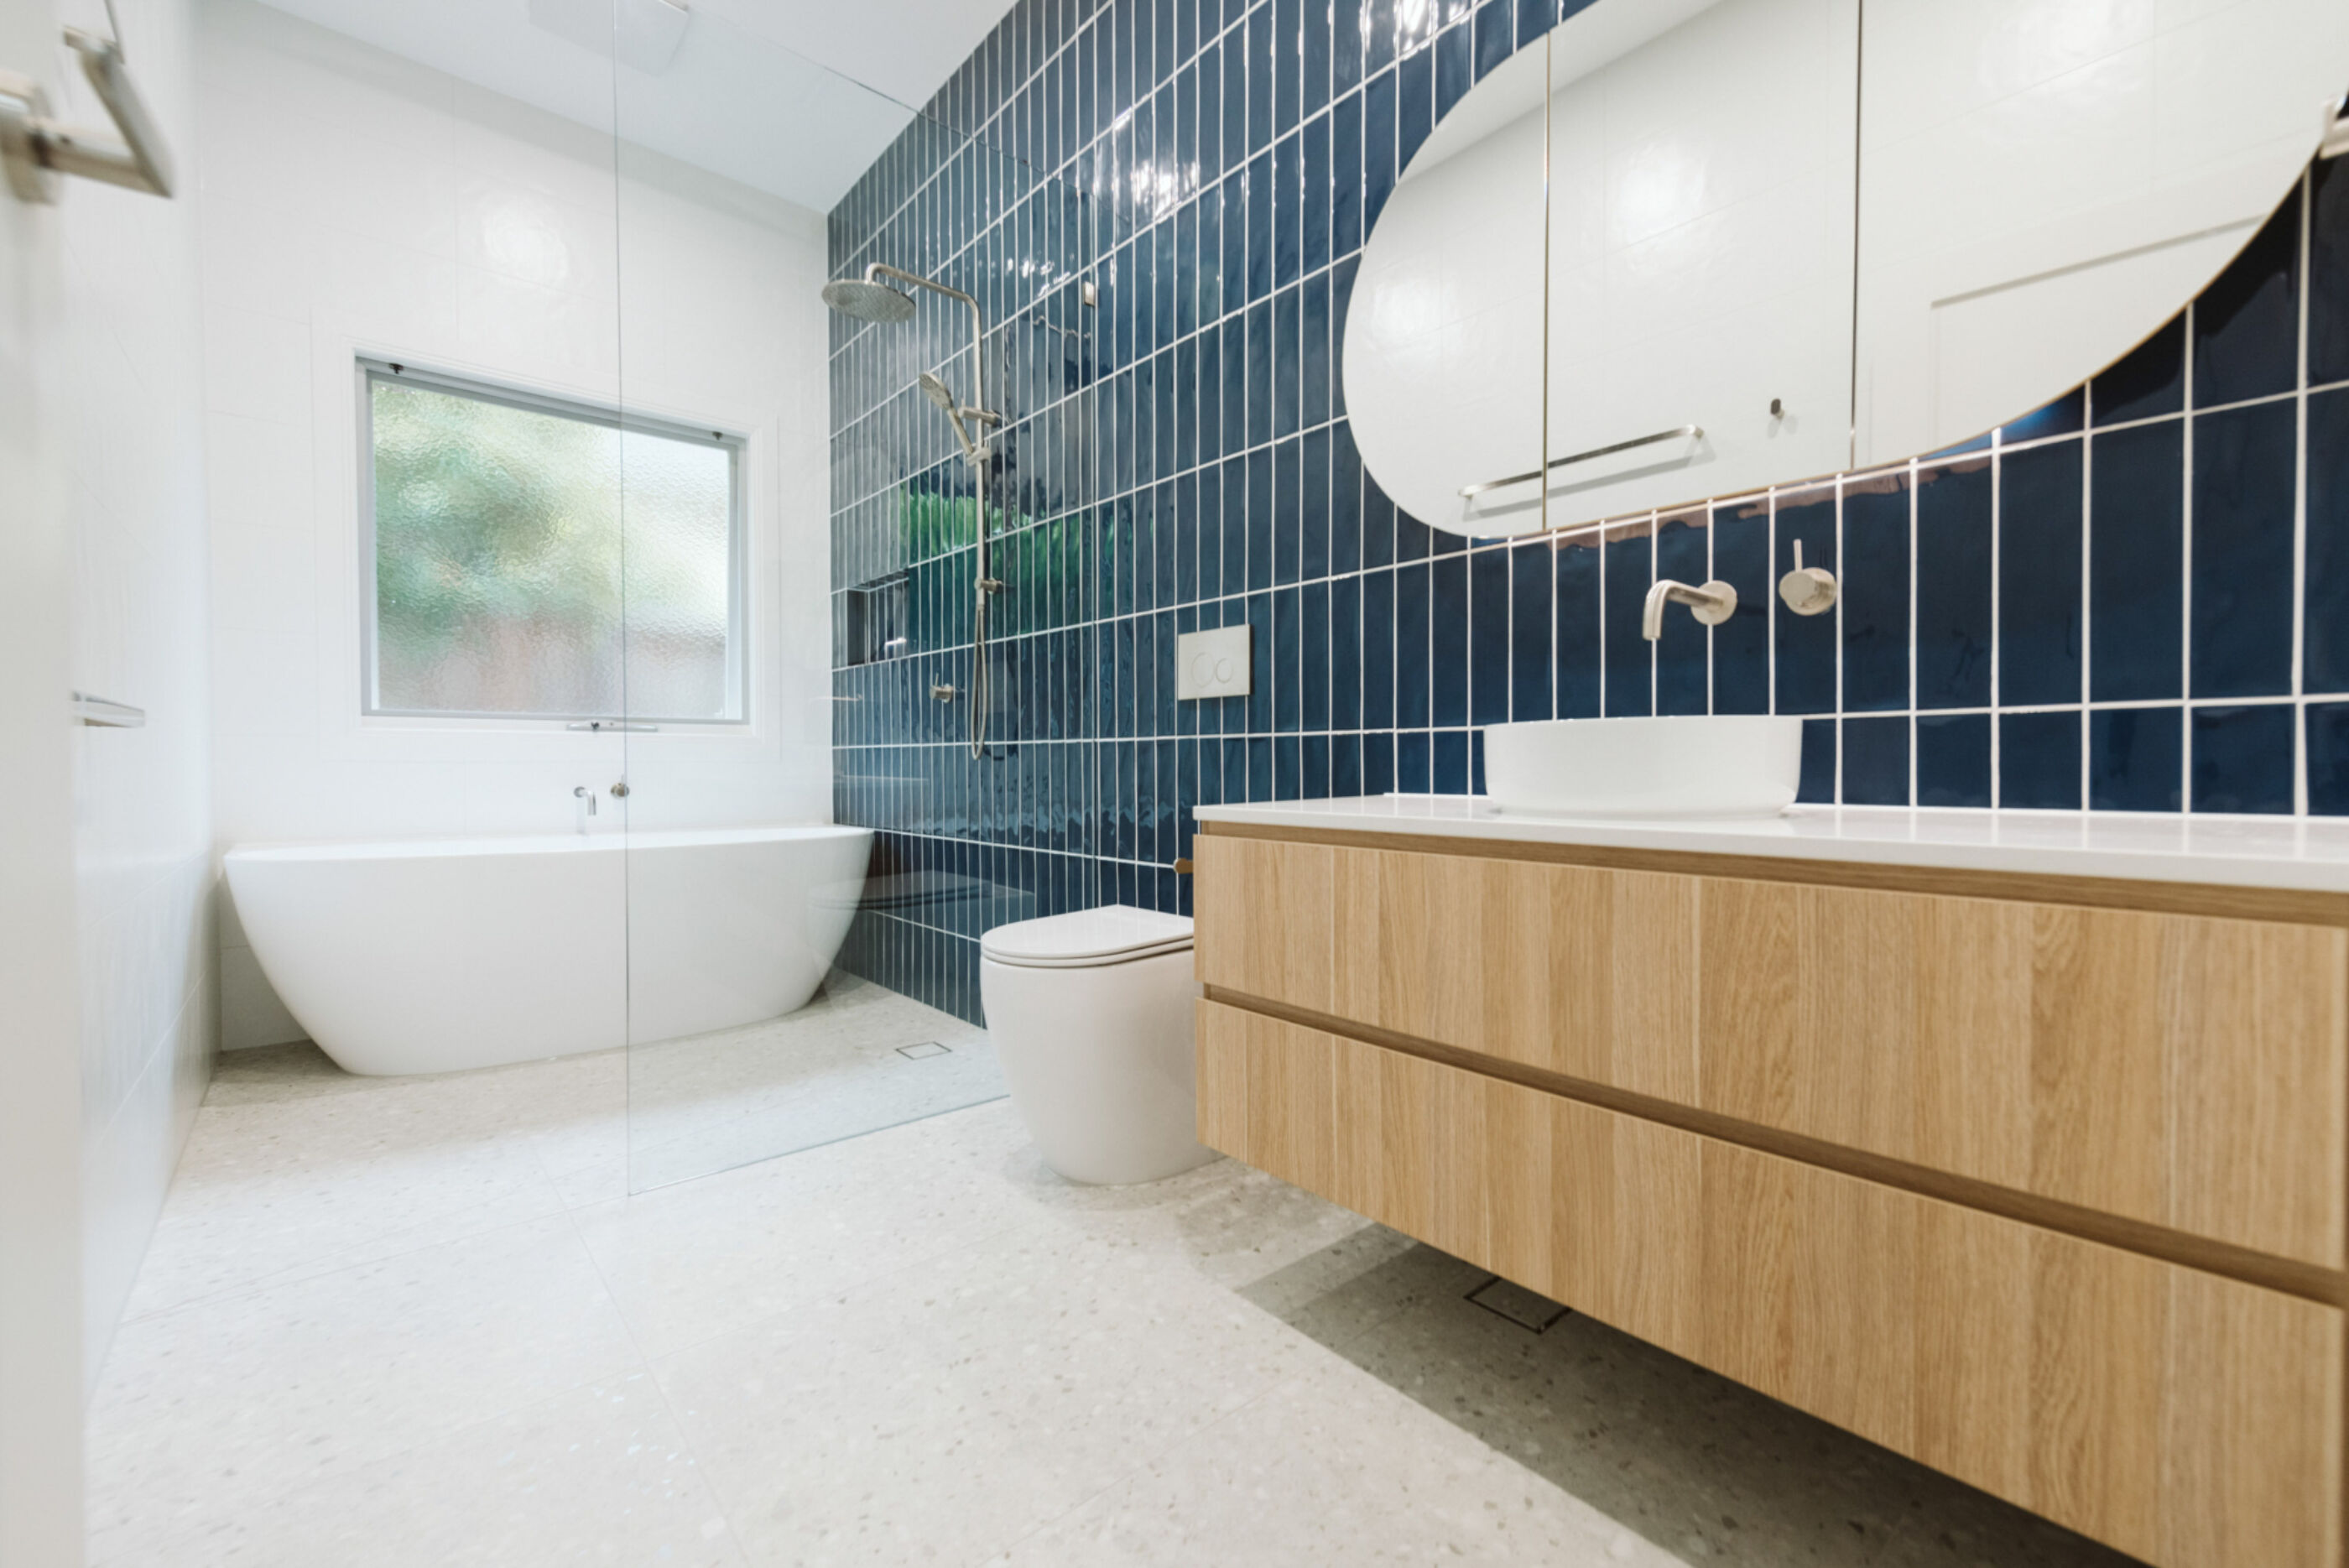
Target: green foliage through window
x: 532, y: 562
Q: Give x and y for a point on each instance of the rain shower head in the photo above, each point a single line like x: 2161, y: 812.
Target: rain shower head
x: 868, y: 300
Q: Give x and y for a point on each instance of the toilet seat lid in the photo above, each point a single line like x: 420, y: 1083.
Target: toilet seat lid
x: 1114, y: 933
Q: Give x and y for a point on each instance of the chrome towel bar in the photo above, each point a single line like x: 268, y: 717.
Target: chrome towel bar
x: 1694, y: 432
x: 106, y: 715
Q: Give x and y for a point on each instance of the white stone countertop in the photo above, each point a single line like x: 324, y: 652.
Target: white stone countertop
x: 2229, y: 851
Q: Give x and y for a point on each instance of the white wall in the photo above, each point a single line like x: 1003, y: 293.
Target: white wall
x: 355, y: 201
x: 129, y: 433
x: 40, y: 1114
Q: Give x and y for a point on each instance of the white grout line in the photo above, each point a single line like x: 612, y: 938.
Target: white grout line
x: 2186, y: 560
x: 2299, y: 502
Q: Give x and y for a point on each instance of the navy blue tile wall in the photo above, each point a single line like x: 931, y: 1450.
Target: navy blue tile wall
x: 2136, y: 599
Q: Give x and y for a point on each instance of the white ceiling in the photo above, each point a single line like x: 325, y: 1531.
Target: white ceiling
x: 792, y: 97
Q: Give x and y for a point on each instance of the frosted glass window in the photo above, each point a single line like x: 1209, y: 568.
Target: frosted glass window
x: 537, y: 560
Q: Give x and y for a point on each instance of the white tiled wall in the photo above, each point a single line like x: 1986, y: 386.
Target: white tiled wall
x: 352, y: 201
x: 130, y: 438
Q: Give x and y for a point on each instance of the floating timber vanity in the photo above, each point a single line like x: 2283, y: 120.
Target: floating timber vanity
x: 2018, y: 1146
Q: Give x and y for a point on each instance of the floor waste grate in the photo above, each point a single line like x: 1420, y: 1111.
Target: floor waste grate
x: 1521, y: 1306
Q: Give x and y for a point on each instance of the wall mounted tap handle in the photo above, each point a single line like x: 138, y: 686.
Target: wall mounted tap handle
x: 1807, y: 590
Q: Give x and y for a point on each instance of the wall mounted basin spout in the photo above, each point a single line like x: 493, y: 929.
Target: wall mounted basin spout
x: 1713, y: 603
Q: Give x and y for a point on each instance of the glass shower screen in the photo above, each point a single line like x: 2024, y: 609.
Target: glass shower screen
x: 813, y: 849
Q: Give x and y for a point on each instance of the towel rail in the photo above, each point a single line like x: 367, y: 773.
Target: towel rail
x: 38, y: 150
x: 1696, y: 432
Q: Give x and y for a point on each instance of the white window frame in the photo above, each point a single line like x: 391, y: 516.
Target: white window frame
x: 371, y: 369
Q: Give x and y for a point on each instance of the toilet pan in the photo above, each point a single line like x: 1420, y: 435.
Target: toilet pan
x: 1090, y: 1015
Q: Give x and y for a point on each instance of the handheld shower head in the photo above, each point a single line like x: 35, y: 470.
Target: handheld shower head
x: 868, y: 300
x: 937, y: 392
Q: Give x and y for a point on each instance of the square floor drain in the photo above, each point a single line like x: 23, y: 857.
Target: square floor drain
x: 1519, y: 1306
x: 924, y: 1048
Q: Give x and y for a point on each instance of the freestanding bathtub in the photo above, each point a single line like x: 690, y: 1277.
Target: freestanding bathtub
x: 432, y: 956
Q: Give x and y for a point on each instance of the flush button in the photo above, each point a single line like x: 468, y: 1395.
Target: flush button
x: 1212, y: 663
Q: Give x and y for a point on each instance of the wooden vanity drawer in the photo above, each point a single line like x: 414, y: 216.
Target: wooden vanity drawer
x: 2186, y: 1417
x: 2186, y: 1071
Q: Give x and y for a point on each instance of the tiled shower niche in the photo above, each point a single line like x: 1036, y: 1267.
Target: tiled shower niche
x: 2136, y: 599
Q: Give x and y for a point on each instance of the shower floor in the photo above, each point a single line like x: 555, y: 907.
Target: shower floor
x: 858, y: 1058
x: 387, y: 1323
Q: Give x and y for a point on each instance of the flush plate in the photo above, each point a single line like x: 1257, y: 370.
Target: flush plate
x: 1213, y: 663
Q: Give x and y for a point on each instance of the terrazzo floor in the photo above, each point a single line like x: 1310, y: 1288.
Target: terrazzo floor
x: 857, y: 1058
x: 422, y: 1320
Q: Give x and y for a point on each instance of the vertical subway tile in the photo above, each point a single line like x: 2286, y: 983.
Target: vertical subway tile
x: 1378, y: 146
x: 2136, y: 759
x: 1530, y: 580
x: 1806, y: 644
x: 1683, y: 552
x: 1488, y: 637
x: 2243, y: 759
x: 1817, y: 784
x: 1953, y: 760
x: 1575, y: 564
x: 1414, y: 104
x: 1448, y: 640
x: 1313, y: 353
x: 1413, y: 762
x: 2040, y: 536
x: 1285, y: 668
x: 1346, y: 653
x: 2137, y: 562
x: 1631, y: 568
x: 1874, y: 597
x: 2039, y: 761
x: 2328, y: 759
x: 2242, y: 567
x: 1496, y: 35
x: 1378, y: 651
x: 1953, y: 634
x: 1312, y: 669
x: 2328, y: 272
x: 1346, y: 554
x: 1456, y: 68
x: 1741, y: 645
x: 1875, y: 761
x: 1313, y: 504
x: 2325, y: 654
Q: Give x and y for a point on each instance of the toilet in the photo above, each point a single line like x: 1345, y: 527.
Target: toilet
x: 1090, y: 1015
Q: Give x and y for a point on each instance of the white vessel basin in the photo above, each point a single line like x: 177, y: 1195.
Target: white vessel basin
x: 1722, y: 765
